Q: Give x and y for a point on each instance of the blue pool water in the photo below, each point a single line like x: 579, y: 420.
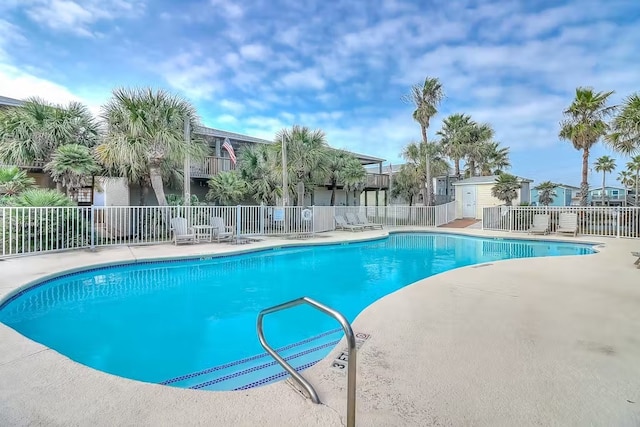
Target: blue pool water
x: 191, y: 323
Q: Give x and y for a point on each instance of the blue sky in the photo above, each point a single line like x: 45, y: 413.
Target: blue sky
x: 343, y: 66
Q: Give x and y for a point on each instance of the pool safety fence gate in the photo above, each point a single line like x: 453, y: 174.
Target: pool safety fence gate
x: 46, y: 229
x: 604, y: 221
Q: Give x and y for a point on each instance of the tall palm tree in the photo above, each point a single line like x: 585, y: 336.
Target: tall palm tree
x: 480, y: 134
x: 625, y: 128
x: 145, y: 136
x: 338, y: 165
x: 584, y: 124
x: 14, y: 180
x: 506, y: 188
x: 227, y: 188
x: 494, y: 159
x: 73, y: 166
x: 426, y: 99
x: 604, y: 164
x: 454, y: 136
x: 307, y: 156
x: 626, y: 179
x: 634, y: 167
x: 546, y: 192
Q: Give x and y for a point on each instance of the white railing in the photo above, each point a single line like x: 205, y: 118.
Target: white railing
x: 603, y: 221
x: 46, y: 229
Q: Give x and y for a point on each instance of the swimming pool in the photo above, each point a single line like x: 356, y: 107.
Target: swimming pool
x: 191, y: 323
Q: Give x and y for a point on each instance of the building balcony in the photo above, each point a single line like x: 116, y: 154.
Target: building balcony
x: 211, y: 166
x: 377, y: 181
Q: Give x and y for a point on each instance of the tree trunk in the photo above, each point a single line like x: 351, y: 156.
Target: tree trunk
x: 333, y: 194
x: 584, y: 185
x: 472, y: 168
x: 637, y: 186
x: 603, y: 186
x: 142, y: 198
x: 457, y: 163
x: 157, y: 185
x: 429, y: 189
x: 59, y: 187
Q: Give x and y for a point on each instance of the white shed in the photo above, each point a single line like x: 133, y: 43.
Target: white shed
x: 473, y: 194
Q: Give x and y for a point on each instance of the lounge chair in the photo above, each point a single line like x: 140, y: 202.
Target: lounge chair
x: 221, y: 231
x: 182, y: 233
x: 364, y: 221
x: 352, y: 220
x: 637, y: 263
x: 568, y: 223
x: 341, y: 224
x: 540, y: 224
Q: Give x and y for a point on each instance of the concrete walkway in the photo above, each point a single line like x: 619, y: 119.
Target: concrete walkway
x: 537, y: 341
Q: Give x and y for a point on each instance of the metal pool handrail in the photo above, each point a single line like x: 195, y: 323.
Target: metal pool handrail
x: 351, y: 344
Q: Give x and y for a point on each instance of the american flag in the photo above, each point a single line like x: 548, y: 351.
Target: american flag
x: 227, y: 146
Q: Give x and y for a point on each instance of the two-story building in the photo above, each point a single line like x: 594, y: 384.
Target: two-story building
x: 564, y: 195
x: 612, y: 196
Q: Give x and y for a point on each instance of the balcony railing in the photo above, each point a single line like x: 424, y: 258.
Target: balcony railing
x: 376, y: 180
x: 211, y: 166
x: 36, y: 164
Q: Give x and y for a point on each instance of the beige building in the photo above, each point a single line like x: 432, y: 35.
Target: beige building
x: 473, y: 194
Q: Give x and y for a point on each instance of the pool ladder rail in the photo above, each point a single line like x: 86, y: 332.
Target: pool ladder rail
x: 306, y: 386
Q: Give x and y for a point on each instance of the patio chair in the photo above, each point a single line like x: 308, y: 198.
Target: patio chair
x: 540, y: 224
x: 362, y: 220
x: 221, y: 231
x: 182, y: 233
x: 568, y: 223
x: 341, y: 224
x: 637, y: 263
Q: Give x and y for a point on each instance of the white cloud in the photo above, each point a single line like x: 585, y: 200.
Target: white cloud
x: 226, y: 119
x: 255, y: 52
x: 193, y: 74
x: 233, y: 106
x: 228, y: 8
x: 308, y: 78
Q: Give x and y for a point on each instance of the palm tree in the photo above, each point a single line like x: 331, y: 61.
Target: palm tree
x: 145, y: 136
x: 634, y: 167
x: 604, y: 164
x: 426, y: 99
x: 72, y: 166
x: 307, y: 156
x: 546, y: 192
x: 416, y: 154
x: 14, y: 180
x: 585, y: 123
x: 494, y: 159
x: 353, y: 175
x: 33, y: 131
x: 480, y: 134
x: 406, y: 183
x: 625, y: 128
x: 256, y: 165
x: 336, y: 168
x: 506, y: 188
x: 41, y: 197
x: 454, y: 136
x: 227, y: 188
x: 626, y: 179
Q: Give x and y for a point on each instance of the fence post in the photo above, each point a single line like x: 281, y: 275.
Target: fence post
x: 238, y: 219
x: 262, y: 219
x: 618, y: 222
x: 313, y: 219
x: 395, y: 215
x: 510, y: 212
x: 93, y: 228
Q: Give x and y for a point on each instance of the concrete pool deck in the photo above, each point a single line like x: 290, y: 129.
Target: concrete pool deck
x: 536, y: 341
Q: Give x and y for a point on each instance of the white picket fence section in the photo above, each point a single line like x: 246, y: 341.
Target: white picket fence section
x: 604, y: 221
x: 36, y: 230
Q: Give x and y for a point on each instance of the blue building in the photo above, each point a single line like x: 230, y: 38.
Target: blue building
x: 564, y: 195
x: 613, y: 196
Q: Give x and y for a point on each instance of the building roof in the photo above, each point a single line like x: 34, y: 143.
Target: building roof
x: 203, y: 130
x: 11, y: 102
x: 485, y: 180
x: 364, y: 159
x: 612, y: 187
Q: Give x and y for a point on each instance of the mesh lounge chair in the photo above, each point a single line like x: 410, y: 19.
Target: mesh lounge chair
x: 352, y: 220
x: 568, y: 223
x: 341, y: 224
x: 182, y: 233
x: 540, y: 224
x: 362, y: 219
x: 637, y: 263
x: 221, y: 232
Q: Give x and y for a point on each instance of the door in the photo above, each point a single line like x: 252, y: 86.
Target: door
x: 469, y: 201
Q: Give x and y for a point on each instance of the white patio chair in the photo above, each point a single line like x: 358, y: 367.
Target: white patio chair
x: 540, y: 224
x: 568, y: 223
x: 341, y: 224
x: 182, y: 233
x: 364, y: 221
x: 221, y: 231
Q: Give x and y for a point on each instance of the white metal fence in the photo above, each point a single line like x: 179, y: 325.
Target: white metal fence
x: 603, y: 221
x: 34, y: 230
